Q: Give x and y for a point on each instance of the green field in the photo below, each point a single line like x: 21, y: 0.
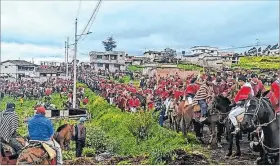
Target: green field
x: 265, y: 62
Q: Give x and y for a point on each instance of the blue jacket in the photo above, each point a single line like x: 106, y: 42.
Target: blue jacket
x: 40, y: 128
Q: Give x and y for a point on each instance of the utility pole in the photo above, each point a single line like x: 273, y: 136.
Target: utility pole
x: 74, y: 64
x: 65, y: 54
x: 67, y: 44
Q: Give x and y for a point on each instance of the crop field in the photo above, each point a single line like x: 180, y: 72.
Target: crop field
x: 266, y: 62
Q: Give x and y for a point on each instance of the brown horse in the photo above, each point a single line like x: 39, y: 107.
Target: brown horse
x: 63, y: 136
x: 8, y: 155
x: 184, y: 116
x: 122, y: 104
x: 37, y: 154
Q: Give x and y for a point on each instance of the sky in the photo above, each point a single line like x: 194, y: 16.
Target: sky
x: 38, y: 29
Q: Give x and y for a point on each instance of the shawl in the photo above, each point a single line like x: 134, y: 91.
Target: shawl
x: 204, y: 92
x: 8, y: 125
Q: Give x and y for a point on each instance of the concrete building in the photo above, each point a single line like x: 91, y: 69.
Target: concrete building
x: 152, y: 55
x: 109, y: 60
x: 51, y: 63
x: 138, y: 60
x: 204, y: 49
x: 18, y: 68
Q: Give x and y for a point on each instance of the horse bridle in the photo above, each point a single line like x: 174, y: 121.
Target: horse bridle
x: 255, y: 116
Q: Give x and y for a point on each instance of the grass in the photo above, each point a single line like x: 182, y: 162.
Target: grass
x: 265, y: 62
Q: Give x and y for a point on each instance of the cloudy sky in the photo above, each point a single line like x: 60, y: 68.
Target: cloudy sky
x: 38, y: 29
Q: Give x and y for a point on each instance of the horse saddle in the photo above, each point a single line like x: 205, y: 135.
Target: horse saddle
x: 51, y: 152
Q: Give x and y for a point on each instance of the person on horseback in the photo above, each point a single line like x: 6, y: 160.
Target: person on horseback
x: 274, y: 94
x: 80, y: 136
x: 40, y: 129
x: 8, y: 128
x: 203, y: 96
x: 256, y: 84
x: 242, y: 95
x: 191, y: 90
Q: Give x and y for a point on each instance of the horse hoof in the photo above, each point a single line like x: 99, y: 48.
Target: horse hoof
x: 209, y: 147
x: 220, y: 146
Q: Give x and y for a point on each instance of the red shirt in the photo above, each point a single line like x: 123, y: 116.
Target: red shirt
x: 274, y: 95
x: 134, y: 102
x: 48, y: 92
x: 164, y: 94
x: 192, y: 89
x: 85, y: 100
x: 243, y: 93
x: 178, y: 94
x: 64, y: 89
x: 258, y: 87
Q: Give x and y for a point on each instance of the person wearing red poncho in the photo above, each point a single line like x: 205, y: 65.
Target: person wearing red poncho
x: 192, y: 88
x: 85, y: 101
x: 48, y: 92
x: 257, y: 84
x: 133, y: 103
x: 274, y: 95
x: 242, y: 95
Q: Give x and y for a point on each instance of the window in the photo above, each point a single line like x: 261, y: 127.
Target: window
x: 212, y: 51
x: 116, y: 65
x: 99, y: 64
x: 6, y: 66
x: 149, y: 53
x: 99, y: 56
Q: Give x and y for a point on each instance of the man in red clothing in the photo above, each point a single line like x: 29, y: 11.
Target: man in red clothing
x: 242, y: 95
x: 134, y: 103
x: 85, y: 101
x: 257, y: 84
x: 274, y: 95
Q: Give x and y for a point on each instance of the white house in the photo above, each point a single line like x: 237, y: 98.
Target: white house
x: 18, y: 68
x: 152, y: 55
x: 109, y: 60
x: 204, y: 49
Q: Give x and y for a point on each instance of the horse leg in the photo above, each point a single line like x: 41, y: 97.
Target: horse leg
x: 197, y: 129
x: 237, y: 141
x: 219, y: 135
x: 183, y: 126
x: 230, y: 141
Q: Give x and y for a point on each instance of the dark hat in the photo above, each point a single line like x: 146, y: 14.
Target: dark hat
x: 254, y: 76
x: 209, y: 78
x: 242, y: 78
x: 218, y: 79
x: 10, y: 105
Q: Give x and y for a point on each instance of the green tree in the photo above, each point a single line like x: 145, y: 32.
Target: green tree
x: 109, y: 44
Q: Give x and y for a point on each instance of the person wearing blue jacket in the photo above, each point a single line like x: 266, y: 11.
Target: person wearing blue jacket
x: 40, y: 129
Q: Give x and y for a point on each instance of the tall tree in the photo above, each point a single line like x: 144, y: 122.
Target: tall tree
x: 109, y: 44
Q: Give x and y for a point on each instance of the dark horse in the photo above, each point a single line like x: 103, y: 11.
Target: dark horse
x: 217, y: 113
x: 261, y: 114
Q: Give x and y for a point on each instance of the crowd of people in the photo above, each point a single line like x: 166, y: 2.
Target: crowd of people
x: 197, y: 89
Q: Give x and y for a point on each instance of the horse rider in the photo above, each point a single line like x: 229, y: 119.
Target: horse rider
x: 256, y: 84
x: 80, y: 136
x: 8, y: 127
x: 238, y: 104
x: 191, y: 90
x: 40, y: 129
x: 203, y: 96
x: 274, y: 95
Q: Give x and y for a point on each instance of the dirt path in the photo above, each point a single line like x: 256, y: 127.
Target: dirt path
x: 217, y: 155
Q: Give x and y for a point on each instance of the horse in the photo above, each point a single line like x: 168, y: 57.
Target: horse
x: 172, y: 114
x: 64, y: 135
x: 37, y: 153
x: 8, y: 155
x: 261, y: 114
x: 122, y: 104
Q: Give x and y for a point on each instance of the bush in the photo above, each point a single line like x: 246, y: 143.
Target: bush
x: 89, y: 152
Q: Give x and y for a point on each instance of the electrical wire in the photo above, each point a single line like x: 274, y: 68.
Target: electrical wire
x: 91, y: 18
x: 91, y: 22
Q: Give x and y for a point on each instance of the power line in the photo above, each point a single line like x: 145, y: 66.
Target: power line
x: 91, y: 17
x: 98, y: 7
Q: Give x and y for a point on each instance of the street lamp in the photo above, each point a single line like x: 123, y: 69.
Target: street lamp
x: 74, y: 64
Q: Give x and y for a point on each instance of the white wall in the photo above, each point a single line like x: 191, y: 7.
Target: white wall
x: 8, y: 68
